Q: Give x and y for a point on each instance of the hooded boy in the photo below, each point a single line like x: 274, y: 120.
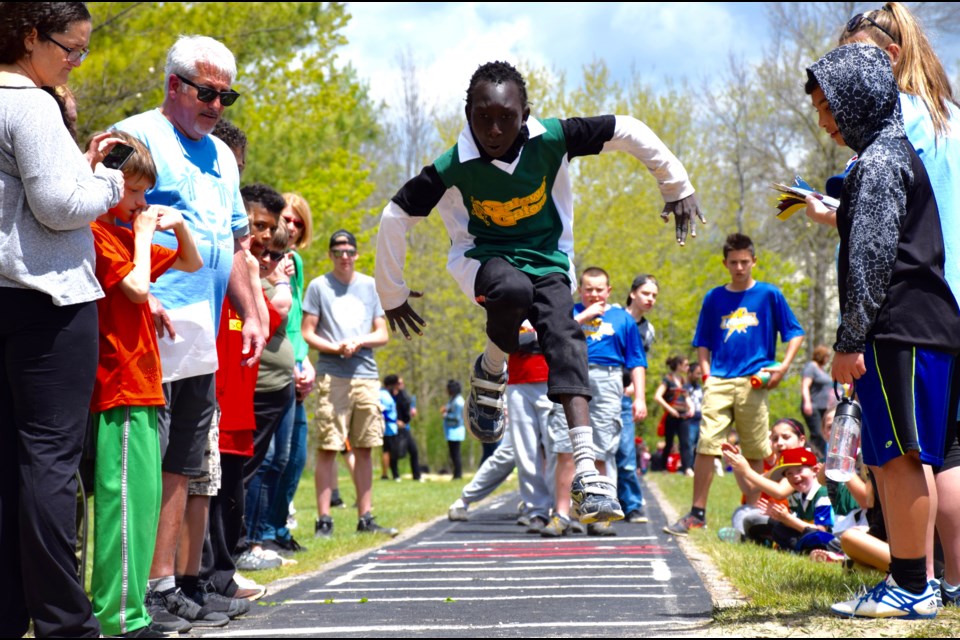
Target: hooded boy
x: 900, y: 327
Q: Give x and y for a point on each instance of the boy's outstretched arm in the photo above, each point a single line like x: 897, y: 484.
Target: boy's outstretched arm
x: 388, y: 272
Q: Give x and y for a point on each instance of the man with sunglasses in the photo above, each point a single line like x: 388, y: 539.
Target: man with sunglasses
x: 343, y: 320
x: 196, y: 174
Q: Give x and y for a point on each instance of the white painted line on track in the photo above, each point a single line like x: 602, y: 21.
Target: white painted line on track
x: 468, y: 578
x: 351, y: 575
x: 561, y: 596
x: 661, y: 571
x: 480, y: 563
x: 576, y: 626
x: 541, y: 541
x: 528, y: 587
x: 380, y: 568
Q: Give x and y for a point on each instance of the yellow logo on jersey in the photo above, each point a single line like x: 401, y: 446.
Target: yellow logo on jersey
x: 236, y: 325
x: 738, y: 322
x: 596, y: 329
x: 506, y: 214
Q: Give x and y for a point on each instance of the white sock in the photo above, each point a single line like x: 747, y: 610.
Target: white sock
x: 493, y: 360
x: 583, y: 452
x: 947, y: 586
x: 162, y: 585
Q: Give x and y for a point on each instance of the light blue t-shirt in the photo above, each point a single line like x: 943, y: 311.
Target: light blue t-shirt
x: 941, y: 159
x: 200, y: 179
x: 389, y: 406
x: 613, y: 339
x: 453, y: 427
x: 740, y: 328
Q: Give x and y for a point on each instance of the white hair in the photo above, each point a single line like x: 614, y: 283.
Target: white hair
x: 189, y: 51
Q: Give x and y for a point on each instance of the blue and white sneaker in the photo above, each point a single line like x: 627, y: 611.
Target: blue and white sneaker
x: 951, y: 597
x: 887, y: 600
x: 485, y: 406
x: 594, y: 498
x: 934, y: 584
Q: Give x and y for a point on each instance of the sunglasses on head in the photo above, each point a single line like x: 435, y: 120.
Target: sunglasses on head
x: 296, y: 223
x: 208, y: 94
x: 853, y: 25
x: 340, y: 253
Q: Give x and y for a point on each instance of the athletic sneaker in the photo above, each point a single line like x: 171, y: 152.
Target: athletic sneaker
x: 950, y: 597
x: 485, y: 406
x: 682, y: 526
x: 558, y: 526
x: 175, y: 601
x: 600, y: 529
x: 457, y: 512
x: 336, y: 500
x: 935, y: 585
x: 576, y: 528
x: 323, y: 527
x: 367, y: 524
x: 250, y: 561
x: 729, y: 534
x: 637, y: 516
x: 247, y: 589
x: 283, y: 547
x: 537, y: 523
x: 207, y: 596
x: 887, y: 600
x: 594, y: 498
x: 152, y: 630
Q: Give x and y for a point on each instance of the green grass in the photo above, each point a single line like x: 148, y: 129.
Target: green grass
x: 781, y: 587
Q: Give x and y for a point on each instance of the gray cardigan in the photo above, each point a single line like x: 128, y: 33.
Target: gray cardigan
x: 48, y: 198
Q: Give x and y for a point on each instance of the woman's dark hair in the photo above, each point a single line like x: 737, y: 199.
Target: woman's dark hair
x: 793, y: 424
x: 638, y: 282
x: 675, y: 361
x: 453, y: 387
x: 497, y: 73
x: 19, y: 19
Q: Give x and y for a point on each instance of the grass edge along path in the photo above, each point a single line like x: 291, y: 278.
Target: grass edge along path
x: 760, y: 592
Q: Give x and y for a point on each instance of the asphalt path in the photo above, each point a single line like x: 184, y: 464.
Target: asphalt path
x: 487, y: 577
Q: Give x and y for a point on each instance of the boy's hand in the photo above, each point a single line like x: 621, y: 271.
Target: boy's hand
x: 847, y: 367
x: 776, y: 375
x: 593, y: 311
x: 684, y: 211
x: 405, y: 318
x: 167, y: 217
x: 161, y: 320
x: 145, y: 221
x: 820, y: 213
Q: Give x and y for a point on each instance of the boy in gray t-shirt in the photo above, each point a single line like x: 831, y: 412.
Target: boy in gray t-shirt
x: 344, y: 322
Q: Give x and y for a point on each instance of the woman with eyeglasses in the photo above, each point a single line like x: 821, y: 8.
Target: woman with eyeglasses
x: 48, y: 330
x: 298, y: 220
x: 932, y: 120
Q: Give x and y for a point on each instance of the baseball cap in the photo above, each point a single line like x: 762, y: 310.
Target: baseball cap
x: 798, y: 457
x: 343, y: 237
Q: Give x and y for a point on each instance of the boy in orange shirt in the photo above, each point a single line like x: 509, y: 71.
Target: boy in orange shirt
x: 126, y: 394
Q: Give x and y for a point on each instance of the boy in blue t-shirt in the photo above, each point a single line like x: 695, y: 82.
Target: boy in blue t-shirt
x: 737, y: 337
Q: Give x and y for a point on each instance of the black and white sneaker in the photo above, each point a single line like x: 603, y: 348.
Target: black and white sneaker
x: 485, y: 406
x: 207, y: 596
x: 175, y: 601
x: 367, y: 524
x: 323, y: 527
x: 595, y: 498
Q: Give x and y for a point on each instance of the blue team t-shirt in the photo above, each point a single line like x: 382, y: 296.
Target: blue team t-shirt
x: 613, y: 339
x: 200, y: 179
x: 740, y: 328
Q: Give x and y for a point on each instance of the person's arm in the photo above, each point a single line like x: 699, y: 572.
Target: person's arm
x: 188, y: 256
x: 783, y: 515
x: 136, y: 284
x: 591, y: 312
x: 821, y: 213
x: 241, y: 295
x: 376, y: 338
x: 805, y: 383
x: 777, y: 372
x: 703, y: 358
x: 658, y: 398
x: 586, y: 136
x: 747, y: 477
x: 308, y: 329
x: 282, y: 299
x: 638, y: 376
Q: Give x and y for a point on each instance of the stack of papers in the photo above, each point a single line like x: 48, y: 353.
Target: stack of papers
x: 793, y: 198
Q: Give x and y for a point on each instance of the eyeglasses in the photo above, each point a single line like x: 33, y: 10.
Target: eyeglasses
x: 854, y: 25
x: 207, y: 94
x: 276, y: 256
x: 73, y: 55
x: 340, y: 253
x: 296, y: 223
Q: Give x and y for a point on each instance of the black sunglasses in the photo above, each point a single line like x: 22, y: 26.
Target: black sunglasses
x: 853, y: 25
x: 73, y: 55
x: 206, y: 94
x: 340, y: 253
x: 276, y: 256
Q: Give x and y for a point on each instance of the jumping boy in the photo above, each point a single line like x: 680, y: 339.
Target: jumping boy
x: 504, y: 194
x: 900, y: 326
x: 127, y: 393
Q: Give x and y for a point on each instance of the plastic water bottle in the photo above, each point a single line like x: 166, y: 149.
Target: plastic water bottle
x: 844, y: 441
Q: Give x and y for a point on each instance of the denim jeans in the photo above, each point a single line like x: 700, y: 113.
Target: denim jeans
x: 628, y: 484
x: 275, y: 525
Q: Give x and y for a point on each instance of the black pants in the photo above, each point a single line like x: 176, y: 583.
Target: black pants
x: 398, y: 445
x: 511, y: 296
x: 225, y: 527
x: 49, y: 362
x: 454, y: 447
